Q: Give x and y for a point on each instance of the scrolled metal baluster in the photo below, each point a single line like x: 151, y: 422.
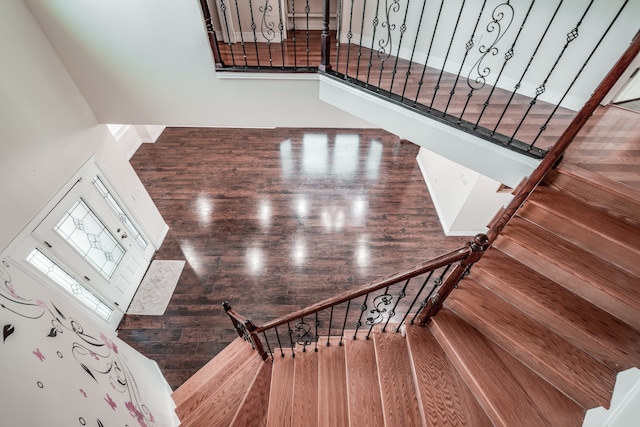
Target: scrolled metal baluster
x: 507, y: 56
x: 571, y: 36
x: 293, y: 344
x: 403, y: 29
x: 526, y: 69
x: 455, y: 29
x: 375, y: 23
x: 363, y: 308
x: 330, y: 320
x: 468, y: 48
x: 279, y: 343
x: 546, y: 123
x: 317, y: 323
x: 385, y: 43
x: 406, y: 314
x: 344, y: 324
x: 244, y: 50
x: 303, y: 334
x: 392, y: 313
x: 379, y: 309
x: 413, y: 51
x: 267, y: 28
x: 426, y: 61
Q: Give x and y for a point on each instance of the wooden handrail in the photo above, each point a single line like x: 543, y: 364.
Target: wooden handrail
x: 554, y: 155
x: 246, y: 329
x: 424, y: 267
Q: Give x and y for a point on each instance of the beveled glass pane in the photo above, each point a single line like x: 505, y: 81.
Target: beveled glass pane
x: 84, y: 231
x: 58, y: 275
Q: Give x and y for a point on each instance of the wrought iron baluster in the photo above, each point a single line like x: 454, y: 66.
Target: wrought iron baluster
x: 253, y: 29
x: 571, y: 36
x: 223, y: 9
x: 266, y: 28
x: 293, y: 24
x: 406, y: 314
x: 266, y: 340
x: 383, y: 43
x: 468, y: 47
x: 363, y: 308
x: 413, y: 51
x: 453, y: 35
x: 307, y: 9
x: 375, y: 23
x: 392, y: 313
x: 403, y: 29
x: 426, y: 60
x: 303, y: 334
x: 344, y: 324
x: 364, y: 9
x: 379, y: 308
x: 436, y: 284
x: 546, y: 123
x: 279, y: 343
x: 293, y: 353
x: 340, y: 8
x: 244, y: 49
x: 349, y: 36
x: 281, y: 28
x: 507, y: 56
x: 533, y: 55
x: 317, y: 323
x: 330, y: 320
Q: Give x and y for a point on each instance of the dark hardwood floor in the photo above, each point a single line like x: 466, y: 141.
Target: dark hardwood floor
x: 272, y: 221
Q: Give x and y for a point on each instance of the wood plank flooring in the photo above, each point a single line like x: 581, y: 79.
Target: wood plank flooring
x: 274, y: 220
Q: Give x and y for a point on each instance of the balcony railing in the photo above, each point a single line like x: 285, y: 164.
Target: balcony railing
x: 504, y: 71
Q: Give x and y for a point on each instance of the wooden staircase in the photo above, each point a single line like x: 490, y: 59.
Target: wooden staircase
x: 533, y: 336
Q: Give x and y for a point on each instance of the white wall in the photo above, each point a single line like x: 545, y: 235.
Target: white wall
x: 465, y: 200
x: 149, y: 62
x: 60, y: 368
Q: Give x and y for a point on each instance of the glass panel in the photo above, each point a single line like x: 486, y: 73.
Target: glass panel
x: 106, y: 194
x: 82, y: 229
x: 58, y: 275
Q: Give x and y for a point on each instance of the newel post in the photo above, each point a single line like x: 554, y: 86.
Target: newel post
x: 478, y: 246
x: 245, y: 329
x: 325, y: 39
x: 213, y: 41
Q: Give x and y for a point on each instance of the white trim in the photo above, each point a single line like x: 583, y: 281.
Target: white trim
x: 232, y: 75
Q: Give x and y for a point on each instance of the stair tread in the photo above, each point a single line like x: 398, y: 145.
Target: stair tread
x: 584, y: 324
x: 332, y: 386
x: 444, y: 397
x: 586, y: 380
x: 616, y: 198
x: 221, y: 406
x: 363, y: 386
x: 223, y: 361
x: 281, y: 391
x: 591, y: 277
x: 591, y: 228
x: 399, y: 401
x: 253, y: 409
x: 490, y: 375
x: 305, y: 388
x: 232, y: 363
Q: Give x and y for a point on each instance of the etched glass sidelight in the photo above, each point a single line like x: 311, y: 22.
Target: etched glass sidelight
x: 84, y: 231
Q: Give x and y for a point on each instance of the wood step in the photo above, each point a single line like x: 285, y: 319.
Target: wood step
x: 363, y: 386
x: 590, y: 277
x: 593, y: 229
x: 399, y: 401
x: 208, y: 380
x: 255, y: 405
x: 332, y: 385
x: 617, y: 199
x: 305, y: 388
x: 443, y: 395
x: 281, y: 392
x: 586, y: 380
x: 509, y: 394
x: 585, y: 325
x: 222, y: 361
x: 220, y: 407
